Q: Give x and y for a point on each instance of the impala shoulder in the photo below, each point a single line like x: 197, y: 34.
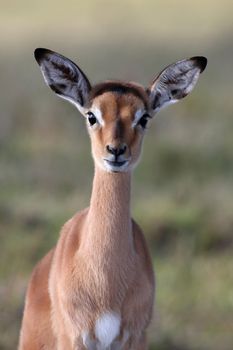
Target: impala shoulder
x: 70, y: 239
x: 73, y: 226
x: 38, y: 286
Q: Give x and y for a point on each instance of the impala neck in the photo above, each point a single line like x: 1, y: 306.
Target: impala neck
x: 109, y: 214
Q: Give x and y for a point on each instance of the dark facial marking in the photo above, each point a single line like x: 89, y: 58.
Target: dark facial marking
x: 120, y: 88
x: 118, y: 132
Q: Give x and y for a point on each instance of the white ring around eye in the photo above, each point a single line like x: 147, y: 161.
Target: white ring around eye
x: 97, y: 113
x: 139, y: 113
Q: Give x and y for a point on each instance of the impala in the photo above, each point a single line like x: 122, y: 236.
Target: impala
x: 95, y: 289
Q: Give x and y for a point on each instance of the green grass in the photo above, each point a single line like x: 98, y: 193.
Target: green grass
x: 194, y: 304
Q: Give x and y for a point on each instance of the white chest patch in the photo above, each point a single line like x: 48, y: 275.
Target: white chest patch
x: 107, y: 328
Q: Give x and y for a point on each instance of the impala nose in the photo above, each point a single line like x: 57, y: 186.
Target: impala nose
x: 116, y: 151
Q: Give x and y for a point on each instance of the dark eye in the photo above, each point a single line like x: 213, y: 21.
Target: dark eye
x: 91, y: 118
x: 143, y: 120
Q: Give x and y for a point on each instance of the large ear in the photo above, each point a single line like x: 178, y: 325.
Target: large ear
x: 175, y: 82
x: 64, y: 77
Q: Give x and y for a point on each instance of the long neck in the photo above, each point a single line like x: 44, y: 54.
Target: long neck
x: 109, y: 219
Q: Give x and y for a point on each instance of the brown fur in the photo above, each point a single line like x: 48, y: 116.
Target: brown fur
x: 101, y: 262
x: 121, y: 88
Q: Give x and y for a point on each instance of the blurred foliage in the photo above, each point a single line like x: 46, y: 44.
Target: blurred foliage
x: 183, y: 187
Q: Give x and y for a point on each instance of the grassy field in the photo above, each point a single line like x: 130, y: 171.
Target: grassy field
x: 183, y: 187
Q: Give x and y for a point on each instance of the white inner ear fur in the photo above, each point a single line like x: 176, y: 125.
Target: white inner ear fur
x: 44, y: 76
x: 69, y: 99
x: 193, y: 82
x: 165, y: 104
x: 181, y: 76
x: 81, y: 109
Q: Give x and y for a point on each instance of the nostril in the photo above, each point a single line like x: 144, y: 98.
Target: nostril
x: 116, y: 151
x: 122, y: 150
x: 111, y: 150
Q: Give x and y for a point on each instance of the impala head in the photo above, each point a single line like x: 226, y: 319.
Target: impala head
x: 117, y: 113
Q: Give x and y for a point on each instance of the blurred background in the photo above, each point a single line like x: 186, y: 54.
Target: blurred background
x: 183, y: 187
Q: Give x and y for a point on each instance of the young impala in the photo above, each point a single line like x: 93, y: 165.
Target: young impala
x: 95, y: 289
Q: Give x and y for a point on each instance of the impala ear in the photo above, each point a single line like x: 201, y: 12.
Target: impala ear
x: 175, y: 82
x: 64, y: 77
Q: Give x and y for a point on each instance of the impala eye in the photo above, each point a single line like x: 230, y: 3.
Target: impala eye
x: 91, y: 118
x: 143, y: 120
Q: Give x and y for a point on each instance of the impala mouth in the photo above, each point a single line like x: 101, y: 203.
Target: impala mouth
x: 117, y: 165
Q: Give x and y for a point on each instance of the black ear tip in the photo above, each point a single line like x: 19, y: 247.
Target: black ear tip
x: 40, y: 53
x: 200, y: 61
